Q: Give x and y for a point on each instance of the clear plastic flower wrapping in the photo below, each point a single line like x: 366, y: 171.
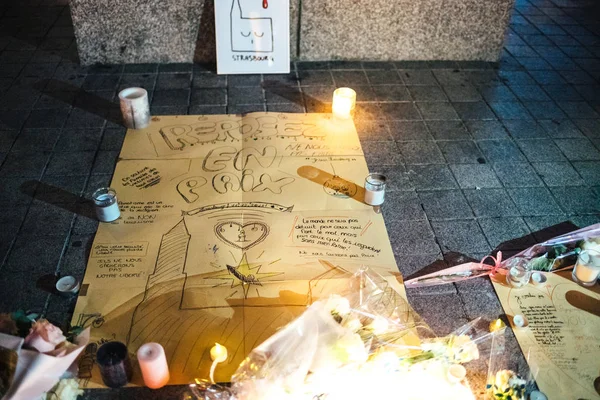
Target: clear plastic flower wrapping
x: 361, y: 342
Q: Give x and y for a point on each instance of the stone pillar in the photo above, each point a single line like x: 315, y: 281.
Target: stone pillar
x: 403, y: 29
x: 136, y: 31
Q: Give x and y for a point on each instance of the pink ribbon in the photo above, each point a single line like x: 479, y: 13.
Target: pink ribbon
x: 497, y: 262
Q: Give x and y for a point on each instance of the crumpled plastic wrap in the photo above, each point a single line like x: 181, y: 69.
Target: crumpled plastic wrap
x: 550, y: 255
x: 358, y: 344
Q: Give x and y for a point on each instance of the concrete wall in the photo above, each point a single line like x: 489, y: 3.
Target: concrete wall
x: 140, y: 31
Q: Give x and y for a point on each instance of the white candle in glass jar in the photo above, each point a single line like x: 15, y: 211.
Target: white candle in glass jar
x: 106, y: 205
x: 375, y: 189
x: 587, y: 267
x: 344, y: 101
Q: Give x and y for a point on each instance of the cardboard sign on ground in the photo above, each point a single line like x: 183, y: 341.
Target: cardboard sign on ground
x: 561, y: 337
x: 230, y: 227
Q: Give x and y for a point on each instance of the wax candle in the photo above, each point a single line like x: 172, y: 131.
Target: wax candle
x: 106, y: 205
x: 153, y: 364
x: 67, y: 285
x: 375, y: 189
x: 520, y: 320
x: 344, y: 101
x: 218, y: 353
x: 587, y: 268
x: 497, y: 325
x: 135, y: 107
x: 538, y: 278
x: 114, y: 363
x: 537, y: 395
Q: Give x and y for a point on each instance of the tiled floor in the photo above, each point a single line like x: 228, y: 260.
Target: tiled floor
x: 477, y: 153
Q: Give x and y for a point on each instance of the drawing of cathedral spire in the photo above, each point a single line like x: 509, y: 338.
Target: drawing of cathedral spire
x: 165, y: 284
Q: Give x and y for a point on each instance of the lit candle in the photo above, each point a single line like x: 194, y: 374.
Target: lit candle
x: 218, y: 353
x: 497, y: 325
x: 153, y: 364
x: 587, y: 268
x: 344, y: 100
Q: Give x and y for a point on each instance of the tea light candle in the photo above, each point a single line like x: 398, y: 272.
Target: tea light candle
x: 497, y: 325
x: 67, y: 285
x: 519, y: 320
x: 538, y: 278
x: 456, y: 373
x: 218, y: 353
x: 344, y: 101
x: 135, y: 107
x: 375, y: 189
x: 107, y: 207
x: 153, y: 364
x: 537, y: 395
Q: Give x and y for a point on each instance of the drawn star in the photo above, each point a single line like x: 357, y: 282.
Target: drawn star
x: 244, y: 275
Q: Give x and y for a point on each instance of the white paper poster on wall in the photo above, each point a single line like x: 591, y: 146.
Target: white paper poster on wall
x: 252, y: 36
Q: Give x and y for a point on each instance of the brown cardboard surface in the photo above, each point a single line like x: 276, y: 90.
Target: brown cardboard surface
x: 230, y: 226
x: 561, y: 339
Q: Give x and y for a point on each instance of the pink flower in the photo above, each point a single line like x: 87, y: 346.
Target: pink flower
x: 44, y: 337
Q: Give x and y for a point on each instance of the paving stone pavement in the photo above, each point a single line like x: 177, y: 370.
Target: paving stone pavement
x: 477, y: 153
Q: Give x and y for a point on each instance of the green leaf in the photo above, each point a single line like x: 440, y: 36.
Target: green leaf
x: 23, y: 322
x: 560, y: 249
x: 541, y: 263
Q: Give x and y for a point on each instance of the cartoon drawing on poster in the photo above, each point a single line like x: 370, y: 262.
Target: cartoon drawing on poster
x: 252, y: 36
x: 230, y: 226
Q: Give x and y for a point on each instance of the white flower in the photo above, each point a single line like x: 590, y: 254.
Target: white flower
x: 65, y: 389
x: 350, y: 349
x: 592, y: 246
x: 464, y: 349
x: 352, y: 323
x: 378, y: 326
x: 503, y: 377
x: 337, y: 305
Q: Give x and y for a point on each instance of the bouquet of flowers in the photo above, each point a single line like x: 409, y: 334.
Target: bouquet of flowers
x: 34, y: 356
x: 352, y: 345
x: 549, y: 256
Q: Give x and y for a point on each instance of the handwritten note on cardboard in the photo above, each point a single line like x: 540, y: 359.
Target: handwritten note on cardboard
x: 562, y: 338
x: 231, y: 225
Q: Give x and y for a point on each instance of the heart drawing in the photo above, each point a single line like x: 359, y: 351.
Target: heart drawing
x: 242, y: 236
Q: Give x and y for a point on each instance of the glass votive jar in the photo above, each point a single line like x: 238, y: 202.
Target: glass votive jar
x: 375, y: 189
x: 519, y: 272
x: 344, y: 102
x: 587, y: 268
x: 115, y: 364
x: 106, y: 205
